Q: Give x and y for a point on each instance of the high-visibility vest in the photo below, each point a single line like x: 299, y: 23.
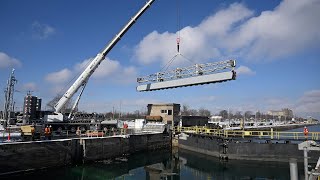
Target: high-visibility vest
x: 46, y: 130
x: 305, y: 131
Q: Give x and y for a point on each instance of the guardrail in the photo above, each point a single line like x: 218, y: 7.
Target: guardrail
x: 102, y: 133
x: 9, y: 136
x: 92, y: 133
x: 283, y: 135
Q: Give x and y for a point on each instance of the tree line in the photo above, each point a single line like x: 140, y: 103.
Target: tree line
x: 185, y: 110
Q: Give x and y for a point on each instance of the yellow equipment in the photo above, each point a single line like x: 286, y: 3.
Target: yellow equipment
x: 31, y: 132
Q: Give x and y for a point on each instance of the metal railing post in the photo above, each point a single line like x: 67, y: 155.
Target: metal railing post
x: 293, y: 169
x: 305, y: 160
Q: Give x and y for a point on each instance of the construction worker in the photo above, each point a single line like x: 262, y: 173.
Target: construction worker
x: 105, y: 129
x: 125, y: 127
x: 113, y: 131
x: 78, y: 131
x: 32, y: 132
x: 305, y: 132
x: 46, y: 132
x: 50, y: 132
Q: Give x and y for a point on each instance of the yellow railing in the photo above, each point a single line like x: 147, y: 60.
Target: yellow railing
x: 95, y: 133
x: 246, y: 133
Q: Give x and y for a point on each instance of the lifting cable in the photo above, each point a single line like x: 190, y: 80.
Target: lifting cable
x: 178, y: 27
x: 166, y: 66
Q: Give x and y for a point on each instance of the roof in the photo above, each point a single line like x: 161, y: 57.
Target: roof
x: 164, y: 104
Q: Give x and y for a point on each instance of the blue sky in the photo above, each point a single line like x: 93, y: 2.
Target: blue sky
x: 276, y: 45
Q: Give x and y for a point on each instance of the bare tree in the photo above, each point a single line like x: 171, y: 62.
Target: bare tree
x: 204, y: 112
x: 258, y: 115
x: 224, y: 114
x: 248, y: 114
x: 238, y: 115
x: 185, y: 110
x: 231, y: 115
x: 193, y: 112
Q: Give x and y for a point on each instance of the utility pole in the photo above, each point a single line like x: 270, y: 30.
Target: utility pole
x: 112, y: 112
x: 120, y: 111
x: 229, y: 116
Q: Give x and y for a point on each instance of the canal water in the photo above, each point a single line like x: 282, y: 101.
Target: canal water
x: 166, y: 165
x: 176, y: 165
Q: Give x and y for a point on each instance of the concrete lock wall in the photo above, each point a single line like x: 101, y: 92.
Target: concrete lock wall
x: 245, y: 150
x: 23, y: 156
x: 103, y: 148
x: 15, y: 157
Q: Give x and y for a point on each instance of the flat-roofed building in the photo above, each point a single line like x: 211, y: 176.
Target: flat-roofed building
x: 285, y: 112
x: 31, y: 107
x: 169, y: 112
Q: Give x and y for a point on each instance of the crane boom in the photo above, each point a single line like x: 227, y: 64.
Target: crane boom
x: 83, y: 78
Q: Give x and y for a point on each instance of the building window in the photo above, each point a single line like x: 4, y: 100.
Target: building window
x: 169, y: 112
x: 163, y: 111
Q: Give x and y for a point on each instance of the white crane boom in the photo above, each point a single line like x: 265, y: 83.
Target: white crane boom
x: 83, y: 78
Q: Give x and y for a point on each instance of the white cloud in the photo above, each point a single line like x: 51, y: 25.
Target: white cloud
x: 109, y: 70
x: 41, y: 31
x: 290, y: 28
x: 31, y: 86
x: 59, y: 77
x: 244, y: 70
x: 105, y: 69
x: 309, y: 102
x: 7, y: 61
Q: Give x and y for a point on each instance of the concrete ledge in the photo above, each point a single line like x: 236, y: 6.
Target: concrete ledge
x: 26, y: 156
x: 34, y: 155
x: 245, y: 150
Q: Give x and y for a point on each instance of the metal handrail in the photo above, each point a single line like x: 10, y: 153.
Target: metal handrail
x: 247, y: 133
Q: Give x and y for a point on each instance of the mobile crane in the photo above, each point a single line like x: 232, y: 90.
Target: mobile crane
x: 57, y: 119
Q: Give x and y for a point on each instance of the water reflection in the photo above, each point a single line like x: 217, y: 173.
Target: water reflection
x: 197, y: 166
x: 177, y: 165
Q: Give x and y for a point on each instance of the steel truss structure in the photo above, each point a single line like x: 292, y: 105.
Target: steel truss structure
x: 188, y: 76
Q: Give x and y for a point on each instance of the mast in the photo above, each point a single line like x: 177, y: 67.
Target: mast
x: 8, y: 103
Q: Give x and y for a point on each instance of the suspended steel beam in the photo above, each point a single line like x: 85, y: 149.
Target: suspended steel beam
x: 195, y: 75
